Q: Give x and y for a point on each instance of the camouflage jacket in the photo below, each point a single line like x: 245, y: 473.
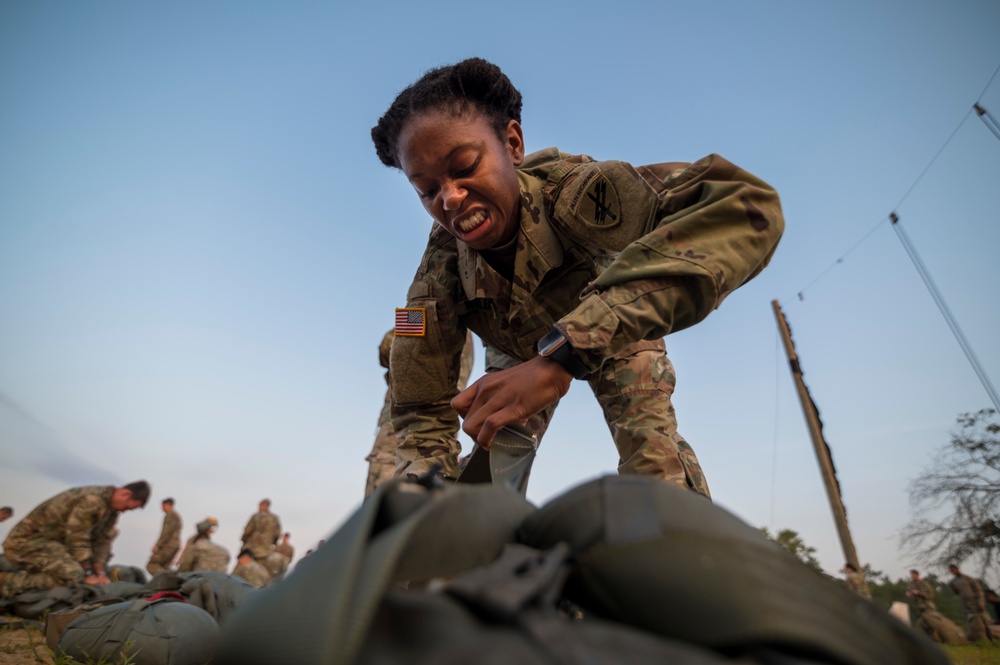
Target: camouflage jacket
x: 254, y: 573
x: 922, y: 594
x: 970, y: 592
x: 285, y: 550
x: 170, y: 534
x: 203, y: 554
x: 609, y: 254
x: 261, y: 533
x: 81, y: 519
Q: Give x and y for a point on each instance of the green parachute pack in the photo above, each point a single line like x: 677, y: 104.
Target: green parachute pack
x: 160, y: 630
x: 623, y: 569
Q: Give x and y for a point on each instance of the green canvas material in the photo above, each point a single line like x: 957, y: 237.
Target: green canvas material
x: 650, y: 568
x: 164, y: 631
x: 507, y: 462
x: 403, y: 532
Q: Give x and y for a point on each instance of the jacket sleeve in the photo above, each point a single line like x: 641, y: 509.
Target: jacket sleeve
x: 103, y: 538
x: 424, y: 370
x: 250, y: 529
x: 683, y: 236
x: 81, y: 523
x: 170, y: 531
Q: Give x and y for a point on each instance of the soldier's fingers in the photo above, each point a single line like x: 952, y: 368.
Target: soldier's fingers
x: 463, y: 401
x: 490, y: 428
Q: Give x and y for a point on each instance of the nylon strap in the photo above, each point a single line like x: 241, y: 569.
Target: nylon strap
x: 507, y: 462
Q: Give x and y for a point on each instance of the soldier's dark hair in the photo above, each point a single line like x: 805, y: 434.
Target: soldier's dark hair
x: 914, y: 571
x: 472, y: 85
x: 265, y: 502
x: 851, y: 566
x: 140, y: 491
x: 288, y: 535
x: 245, y: 552
x: 7, y: 509
x: 169, y: 500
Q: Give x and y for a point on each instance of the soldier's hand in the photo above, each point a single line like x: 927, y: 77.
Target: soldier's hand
x: 510, y: 396
x: 97, y: 579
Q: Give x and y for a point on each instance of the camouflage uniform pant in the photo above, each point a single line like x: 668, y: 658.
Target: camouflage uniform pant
x: 382, y: 459
x: 276, y: 564
x: 42, y: 565
x: 161, y: 560
x: 634, y: 390
x: 977, y: 626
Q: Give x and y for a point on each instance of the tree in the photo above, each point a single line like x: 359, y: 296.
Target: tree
x: 963, y: 484
x: 792, y: 542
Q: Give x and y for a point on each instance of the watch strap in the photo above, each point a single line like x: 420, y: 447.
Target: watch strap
x: 556, y: 347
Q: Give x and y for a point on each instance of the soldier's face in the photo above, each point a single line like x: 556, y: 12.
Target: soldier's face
x: 465, y: 175
x: 122, y: 501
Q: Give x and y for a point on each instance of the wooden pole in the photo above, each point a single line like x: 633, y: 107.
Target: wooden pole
x: 822, y: 450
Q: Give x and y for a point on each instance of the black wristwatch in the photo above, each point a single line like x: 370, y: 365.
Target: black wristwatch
x: 555, y: 346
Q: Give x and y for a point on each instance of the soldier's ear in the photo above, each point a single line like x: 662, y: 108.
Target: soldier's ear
x: 515, y: 142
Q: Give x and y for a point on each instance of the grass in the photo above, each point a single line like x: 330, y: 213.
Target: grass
x: 28, y: 644
x: 983, y: 653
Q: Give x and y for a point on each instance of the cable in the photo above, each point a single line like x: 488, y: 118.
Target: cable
x: 933, y: 159
x: 943, y: 306
x: 920, y: 177
x: 840, y: 259
x: 988, y: 84
x: 988, y: 119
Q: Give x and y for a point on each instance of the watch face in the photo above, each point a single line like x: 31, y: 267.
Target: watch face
x: 552, y: 341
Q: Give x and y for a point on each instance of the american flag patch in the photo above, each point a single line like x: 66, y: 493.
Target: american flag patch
x: 410, y: 322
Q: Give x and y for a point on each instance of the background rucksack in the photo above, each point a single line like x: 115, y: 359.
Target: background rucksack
x: 162, y: 630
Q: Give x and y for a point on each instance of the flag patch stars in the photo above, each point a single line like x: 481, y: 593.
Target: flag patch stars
x: 411, y: 322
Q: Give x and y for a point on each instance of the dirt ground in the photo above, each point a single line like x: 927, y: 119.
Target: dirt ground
x: 23, y: 645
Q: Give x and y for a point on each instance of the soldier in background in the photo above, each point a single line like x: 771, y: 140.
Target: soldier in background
x: 201, y: 553
x: 250, y: 570
x: 856, y: 581
x: 382, y: 459
x: 169, y: 542
x: 970, y: 592
x: 284, y: 548
x: 921, y: 593
x: 994, y: 600
x: 928, y: 619
x: 67, y: 539
x: 262, y: 532
x: 6, y: 513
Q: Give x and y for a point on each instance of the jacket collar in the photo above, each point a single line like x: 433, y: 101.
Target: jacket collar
x: 538, y: 252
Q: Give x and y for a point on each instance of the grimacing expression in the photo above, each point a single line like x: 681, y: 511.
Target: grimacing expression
x: 465, y: 175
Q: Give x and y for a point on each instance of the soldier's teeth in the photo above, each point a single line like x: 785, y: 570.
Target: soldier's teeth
x: 472, y: 221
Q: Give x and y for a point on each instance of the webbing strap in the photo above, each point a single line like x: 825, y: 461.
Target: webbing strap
x: 121, y: 630
x: 402, y: 532
x: 507, y: 462
x: 522, y: 577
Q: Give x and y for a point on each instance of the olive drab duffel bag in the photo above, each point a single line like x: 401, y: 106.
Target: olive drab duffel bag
x: 624, y: 569
x: 160, y: 630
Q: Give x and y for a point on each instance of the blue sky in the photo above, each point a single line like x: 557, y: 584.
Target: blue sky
x: 199, y: 250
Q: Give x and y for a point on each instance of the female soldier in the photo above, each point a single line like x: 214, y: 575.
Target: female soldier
x: 574, y: 267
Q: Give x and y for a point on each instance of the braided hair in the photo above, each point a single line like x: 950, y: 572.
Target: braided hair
x: 472, y: 85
